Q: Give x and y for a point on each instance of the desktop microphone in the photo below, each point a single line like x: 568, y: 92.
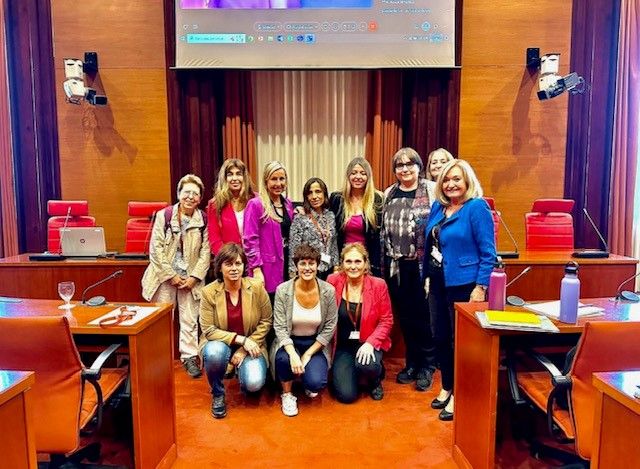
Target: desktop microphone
x: 592, y: 253
x: 524, y: 271
x: 508, y: 254
x: 64, y: 227
x: 54, y: 256
x: 627, y: 295
x: 98, y: 300
x: 514, y: 300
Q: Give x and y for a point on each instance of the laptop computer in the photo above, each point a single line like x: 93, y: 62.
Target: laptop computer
x: 83, y: 241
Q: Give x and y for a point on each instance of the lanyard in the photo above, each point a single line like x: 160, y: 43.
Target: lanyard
x: 324, y: 232
x: 356, y: 317
x: 124, y: 314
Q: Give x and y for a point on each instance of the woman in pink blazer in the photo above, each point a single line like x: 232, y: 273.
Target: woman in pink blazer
x: 267, y: 221
x: 225, y: 211
x: 364, y: 326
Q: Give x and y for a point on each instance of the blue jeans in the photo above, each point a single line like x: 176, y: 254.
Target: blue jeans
x: 315, y: 373
x: 252, y: 372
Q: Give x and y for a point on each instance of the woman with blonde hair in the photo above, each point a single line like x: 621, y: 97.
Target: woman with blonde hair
x: 358, y: 210
x: 436, y: 161
x: 226, y: 208
x: 178, y: 263
x: 267, y: 222
x: 461, y: 253
x: 364, y: 326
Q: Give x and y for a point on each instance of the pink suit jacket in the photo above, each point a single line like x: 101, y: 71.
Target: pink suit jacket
x: 262, y: 242
x: 377, y: 319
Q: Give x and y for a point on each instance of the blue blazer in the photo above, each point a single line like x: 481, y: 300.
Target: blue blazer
x: 467, y: 243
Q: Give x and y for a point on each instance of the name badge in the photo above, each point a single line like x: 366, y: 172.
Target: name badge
x: 326, y: 258
x: 436, y: 254
x: 354, y: 335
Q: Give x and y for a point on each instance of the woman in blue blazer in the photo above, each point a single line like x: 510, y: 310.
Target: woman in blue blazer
x: 460, y: 253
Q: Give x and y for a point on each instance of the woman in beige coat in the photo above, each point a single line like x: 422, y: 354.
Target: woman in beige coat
x: 235, y: 317
x: 179, y: 257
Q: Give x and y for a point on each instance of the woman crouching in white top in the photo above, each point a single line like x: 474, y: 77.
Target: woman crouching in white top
x: 304, y: 319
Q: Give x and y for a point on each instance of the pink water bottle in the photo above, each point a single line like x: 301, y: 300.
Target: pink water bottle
x: 497, y: 287
x: 569, y: 294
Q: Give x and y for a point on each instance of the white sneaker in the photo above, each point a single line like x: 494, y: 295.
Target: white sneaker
x: 289, y: 404
x: 310, y: 394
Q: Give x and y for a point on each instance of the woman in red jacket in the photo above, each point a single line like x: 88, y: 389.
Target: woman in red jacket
x: 364, y: 326
x: 225, y: 211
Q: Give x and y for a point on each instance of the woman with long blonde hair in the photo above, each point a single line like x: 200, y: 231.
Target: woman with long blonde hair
x: 358, y: 210
x: 267, y: 222
x: 225, y: 210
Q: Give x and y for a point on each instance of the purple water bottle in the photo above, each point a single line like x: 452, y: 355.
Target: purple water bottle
x: 497, y: 287
x: 569, y: 294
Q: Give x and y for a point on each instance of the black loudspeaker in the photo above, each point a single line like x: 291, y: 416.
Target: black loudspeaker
x: 533, y: 57
x: 90, y: 65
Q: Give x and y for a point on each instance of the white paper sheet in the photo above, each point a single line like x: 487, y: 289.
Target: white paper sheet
x: 552, y: 309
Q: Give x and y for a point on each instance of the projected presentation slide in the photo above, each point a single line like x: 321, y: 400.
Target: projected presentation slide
x: 316, y: 34
x: 264, y: 4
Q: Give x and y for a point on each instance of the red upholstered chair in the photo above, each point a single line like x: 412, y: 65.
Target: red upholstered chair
x: 77, y: 212
x: 496, y: 219
x: 66, y: 395
x: 549, y: 225
x: 139, y: 227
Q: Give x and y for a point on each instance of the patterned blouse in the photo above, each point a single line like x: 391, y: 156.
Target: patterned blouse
x: 318, y: 231
x: 403, y: 223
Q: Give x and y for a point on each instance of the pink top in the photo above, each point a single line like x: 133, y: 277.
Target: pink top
x: 354, y: 230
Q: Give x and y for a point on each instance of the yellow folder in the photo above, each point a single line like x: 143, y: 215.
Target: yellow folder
x: 512, y: 318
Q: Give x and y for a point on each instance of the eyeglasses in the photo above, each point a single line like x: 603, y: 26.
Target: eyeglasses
x: 401, y: 166
x: 193, y: 194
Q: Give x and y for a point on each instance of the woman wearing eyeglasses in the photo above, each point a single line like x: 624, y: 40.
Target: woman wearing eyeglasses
x: 404, y: 215
x: 179, y: 257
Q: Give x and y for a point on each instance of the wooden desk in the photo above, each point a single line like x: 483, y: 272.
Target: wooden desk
x: 20, y: 277
x: 477, y: 354
x: 598, y: 277
x: 617, y: 420
x: 150, y: 368
x: 17, y: 443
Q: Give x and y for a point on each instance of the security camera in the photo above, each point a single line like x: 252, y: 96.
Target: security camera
x: 74, y: 87
x: 550, y: 84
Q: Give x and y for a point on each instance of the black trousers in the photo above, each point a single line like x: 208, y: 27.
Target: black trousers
x: 441, y: 300
x: 412, y: 314
x: 347, y: 373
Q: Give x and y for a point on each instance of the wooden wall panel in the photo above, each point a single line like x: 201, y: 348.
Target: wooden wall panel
x: 515, y: 142
x: 116, y: 153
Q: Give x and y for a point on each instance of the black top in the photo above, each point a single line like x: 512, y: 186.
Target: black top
x: 285, y: 228
x: 371, y: 235
x: 346, y: 325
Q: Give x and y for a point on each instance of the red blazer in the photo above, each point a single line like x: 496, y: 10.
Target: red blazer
x: 222, y: 230
x: 376, y: 319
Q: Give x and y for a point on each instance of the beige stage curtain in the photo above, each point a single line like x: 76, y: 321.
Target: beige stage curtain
x: 313, y: 122
x: 8, y: 218
x: 626, y: 130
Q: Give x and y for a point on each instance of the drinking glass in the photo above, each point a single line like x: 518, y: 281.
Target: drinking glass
x: 66, y: 291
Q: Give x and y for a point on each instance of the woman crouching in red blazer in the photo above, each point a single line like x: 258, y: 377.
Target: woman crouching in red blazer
x: 364, y: 326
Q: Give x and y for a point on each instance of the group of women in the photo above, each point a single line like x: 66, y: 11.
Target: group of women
x: 324, y: 277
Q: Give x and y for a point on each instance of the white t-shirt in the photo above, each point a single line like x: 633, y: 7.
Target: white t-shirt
x: 305, y: 321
